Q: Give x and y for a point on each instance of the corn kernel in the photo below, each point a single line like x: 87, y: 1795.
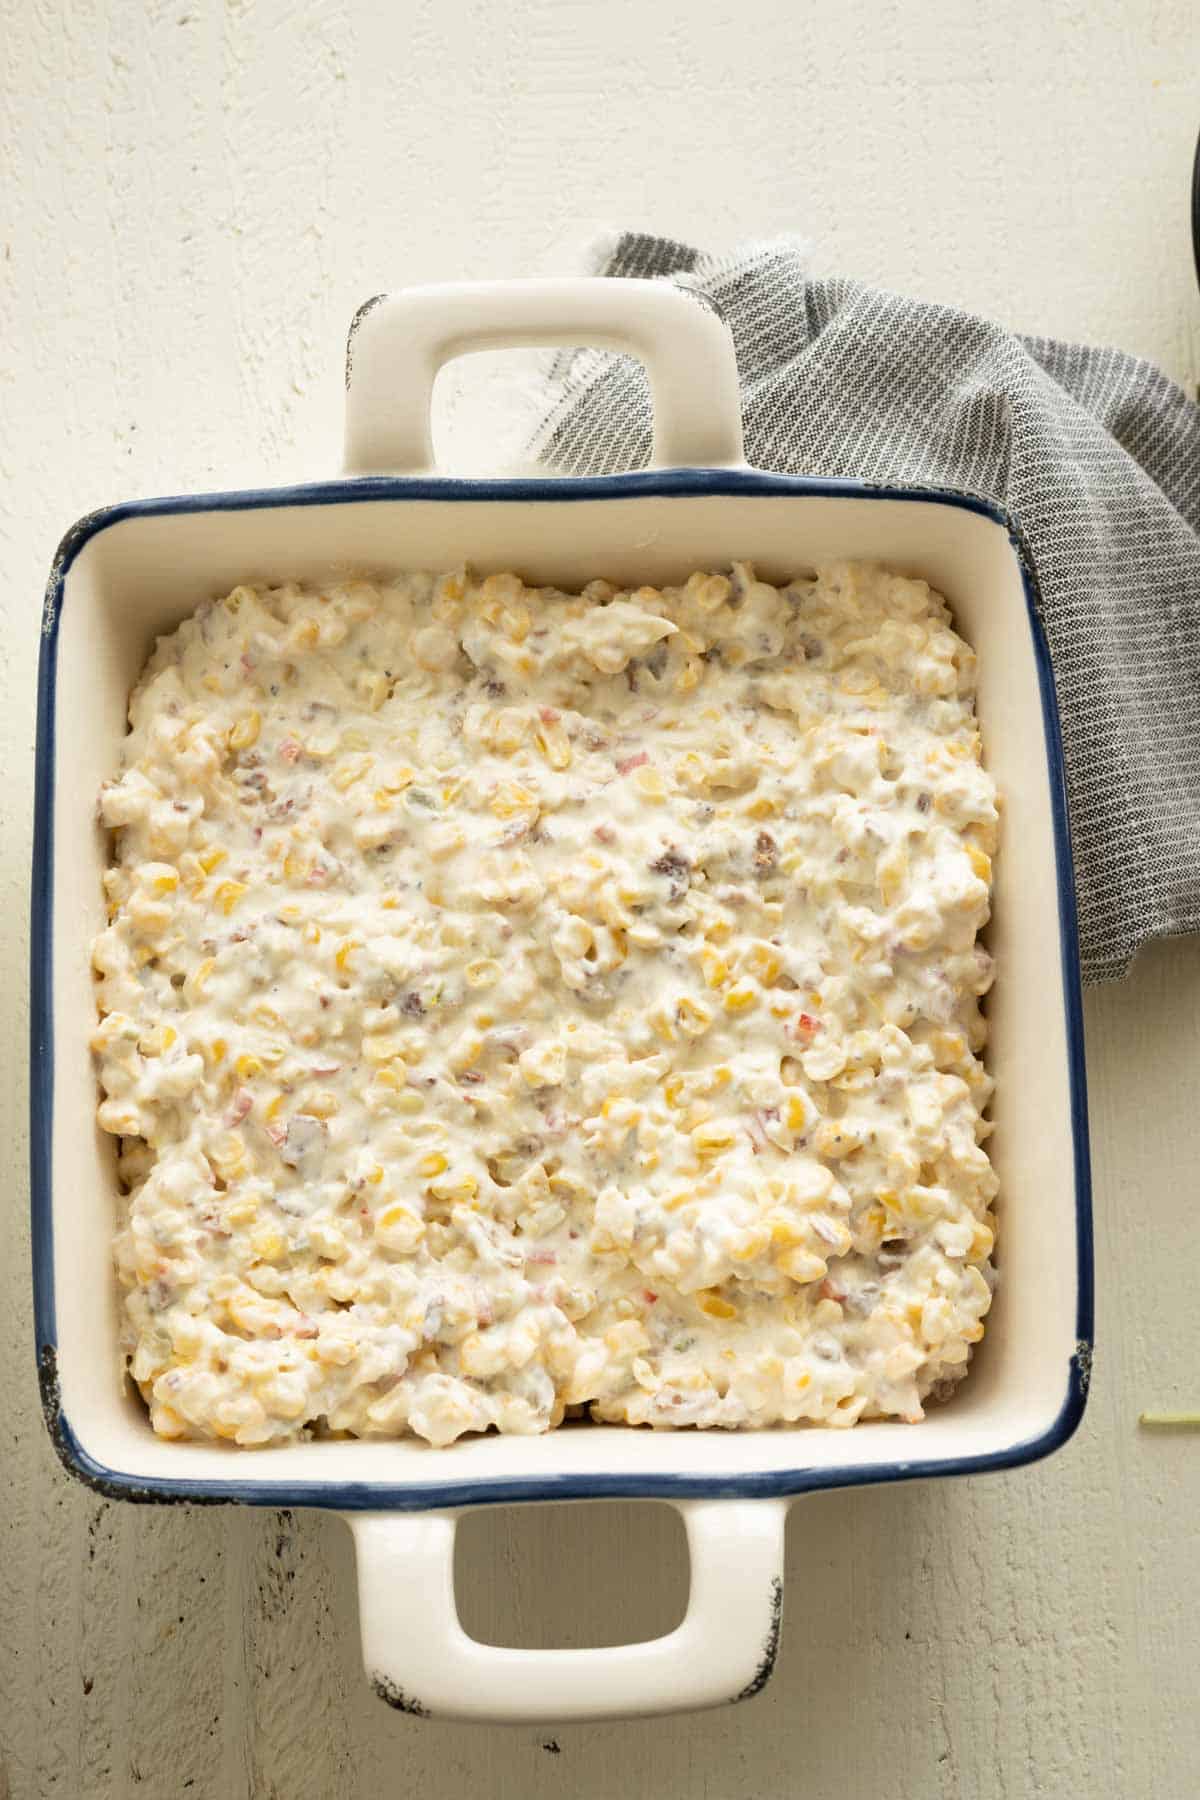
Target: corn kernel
x: 712, y: 1137
x: 352, y: 769
x: 392, y: 1077
x: 268, y: 1244
x: 167, y: 1422
x: 511, y: 799
x: 740, y: 998
x: 763, y: 806
x: 802, y: 1265
x: 228, y: 895
x: 372, y: 688
x: 516, y: 621
x: 716, y: 969
x: 304, y: 635
x: 554, y: 745
x: 395, y: 781
x: 245, y: 732
x: 750, y: 1244
x: 159, y: 878
x: 248, y: 1066
x: 433, y: 1164
x: 398, y: 1228
x: 716, y: 1308
x: 228, y: 1153
x: 836, y: 1138
x: 981, y: 862
x: 662, y: 1023
x: 455, y: 1185
x: 891, y: 872
x: 764, y: 962
x: 982, y: 1243
x: 694, y: 1017
x: 198, y: 979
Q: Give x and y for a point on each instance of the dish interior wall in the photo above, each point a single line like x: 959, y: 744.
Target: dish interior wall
x: 138, y: 577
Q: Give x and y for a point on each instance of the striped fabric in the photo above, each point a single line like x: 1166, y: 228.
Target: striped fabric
x: 1095, y: 453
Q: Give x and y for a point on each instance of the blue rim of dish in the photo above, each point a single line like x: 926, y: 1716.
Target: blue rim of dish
x: 482, y: 1491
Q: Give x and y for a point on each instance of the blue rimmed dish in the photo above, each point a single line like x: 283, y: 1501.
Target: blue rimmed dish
x: 132, y: 571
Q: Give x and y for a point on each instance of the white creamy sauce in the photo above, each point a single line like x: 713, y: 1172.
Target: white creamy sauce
x: 516, y: 1001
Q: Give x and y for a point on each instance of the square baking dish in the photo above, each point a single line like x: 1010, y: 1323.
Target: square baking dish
x: 132, y: 571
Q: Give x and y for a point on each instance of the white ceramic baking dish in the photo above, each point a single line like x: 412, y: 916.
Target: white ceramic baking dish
x: 124, y: 574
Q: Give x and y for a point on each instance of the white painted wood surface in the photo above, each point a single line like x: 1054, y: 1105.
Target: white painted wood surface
x: 195, y: 199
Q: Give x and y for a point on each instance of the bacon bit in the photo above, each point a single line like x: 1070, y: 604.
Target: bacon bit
x: 804, y: 1026
x: 827, y: 1291
x: 766, y: 852
x: 544, y: 1257
x: 290, y: 750
x: 242, y: 1102
x: 649, y: 1296
x: 327, y: 1069
x: 317, y: 876
x: 247, y: 664
x: 277, y: 1134
x: 307, y: 1328
x: 548, y: 715
x: 605, y: 834
x: 632, y: 762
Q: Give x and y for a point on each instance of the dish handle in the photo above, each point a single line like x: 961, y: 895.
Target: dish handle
x: 398, y: 342
x: 420, y: 1660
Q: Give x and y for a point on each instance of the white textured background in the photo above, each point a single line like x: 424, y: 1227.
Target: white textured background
x: 195, y: 199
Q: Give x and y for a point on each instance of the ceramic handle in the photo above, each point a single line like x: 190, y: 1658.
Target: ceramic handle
x: 419, y: 1658
x: 400, y: 341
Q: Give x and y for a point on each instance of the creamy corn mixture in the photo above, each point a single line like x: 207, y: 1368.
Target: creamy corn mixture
x: 518, y: 1002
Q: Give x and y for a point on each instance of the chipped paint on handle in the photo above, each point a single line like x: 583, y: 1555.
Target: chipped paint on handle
x: 421, y: 1661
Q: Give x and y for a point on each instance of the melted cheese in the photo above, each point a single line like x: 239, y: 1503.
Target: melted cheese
x: 516, y: 1001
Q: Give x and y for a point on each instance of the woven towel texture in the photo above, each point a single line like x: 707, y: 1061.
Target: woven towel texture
x: 1096, y: 455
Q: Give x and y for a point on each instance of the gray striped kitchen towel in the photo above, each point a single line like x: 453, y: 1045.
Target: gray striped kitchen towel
x: 1095, y: 453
